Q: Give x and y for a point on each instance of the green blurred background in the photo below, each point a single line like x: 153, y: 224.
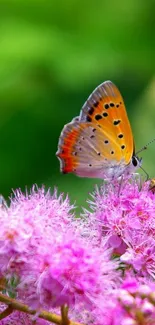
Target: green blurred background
x: 52, y: 55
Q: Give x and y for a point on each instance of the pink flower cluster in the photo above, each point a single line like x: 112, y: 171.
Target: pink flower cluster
x: 124, y: 220
x: 44, y: 259
x: 132, y: 304
x: 102, y: 265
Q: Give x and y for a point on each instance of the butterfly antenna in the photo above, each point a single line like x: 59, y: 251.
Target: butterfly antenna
x: 145, y: 147
x: 147, y: 175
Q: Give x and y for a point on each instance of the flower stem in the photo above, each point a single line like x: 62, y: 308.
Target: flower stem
x: 64, y: 315
x: 14, y: 304
x: 6, y: 312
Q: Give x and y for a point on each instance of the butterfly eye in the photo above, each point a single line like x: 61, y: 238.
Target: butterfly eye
x: 134, y: 161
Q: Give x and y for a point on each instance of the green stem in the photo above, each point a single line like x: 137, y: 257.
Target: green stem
x: 64, y: 315
x: 6, y: 312
x: 14, y: 304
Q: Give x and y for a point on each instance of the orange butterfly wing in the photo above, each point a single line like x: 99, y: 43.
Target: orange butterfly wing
x: 66, y: 152
x: 105, y: 106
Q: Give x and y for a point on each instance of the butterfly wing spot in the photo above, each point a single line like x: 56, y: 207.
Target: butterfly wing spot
x: 123, y: 146
x: 88, y: 118
x: 98, y: 153
x: 117, y: 105
x: 98, y: 117
x: 116, y: 122
x: 120, y: 136
x: 112, y: 152
x: 106, y: 106
x: 94, y: 130
x: 92, y: 136
x: 106, y: 141
x: 105, y: 114
x: 91, y: 111
x: 112, y: 104
x: 96, y: 104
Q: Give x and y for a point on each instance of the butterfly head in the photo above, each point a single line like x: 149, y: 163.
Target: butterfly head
x: 136, y: 161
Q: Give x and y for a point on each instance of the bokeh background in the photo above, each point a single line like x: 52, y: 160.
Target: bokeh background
x: 52, y: 55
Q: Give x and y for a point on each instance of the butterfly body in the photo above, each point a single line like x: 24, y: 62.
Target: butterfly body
x: 99, y: 143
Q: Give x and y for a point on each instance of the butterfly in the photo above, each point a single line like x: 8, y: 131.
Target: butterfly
x: 99, y: 143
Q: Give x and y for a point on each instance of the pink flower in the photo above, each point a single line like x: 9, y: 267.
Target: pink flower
x: 75, y: 273
x: 45, y: 259
x: 48, y: 258
x: 123, y: 216
x: 141, y: 256
x: 130, y: 304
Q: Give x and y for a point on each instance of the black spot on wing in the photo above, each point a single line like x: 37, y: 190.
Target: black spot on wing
x: 88, y: 118
x: 116, y: 122
x: 96, y: 104
x: 105, y: 114
x: 98, y: 117
x: 91, y: 111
